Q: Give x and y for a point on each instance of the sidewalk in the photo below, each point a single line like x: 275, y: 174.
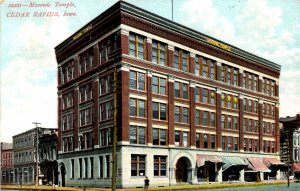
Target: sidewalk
x: 179, y: 187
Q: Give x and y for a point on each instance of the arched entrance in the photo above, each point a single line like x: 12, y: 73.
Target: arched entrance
x: 62, y: 174
x: 182, y: 170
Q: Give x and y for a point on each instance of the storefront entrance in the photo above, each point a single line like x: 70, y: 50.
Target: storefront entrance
x: 207, y: 172
x: 182, y: 170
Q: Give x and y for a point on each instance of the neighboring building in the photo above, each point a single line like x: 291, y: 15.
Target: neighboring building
x: 290, y: 143
x: 7, y: 166
x: 25, y: 159
x: 190, y: 108
x: 48, y: 157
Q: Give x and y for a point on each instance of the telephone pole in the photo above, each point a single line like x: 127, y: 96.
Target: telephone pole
x: 36, y: 151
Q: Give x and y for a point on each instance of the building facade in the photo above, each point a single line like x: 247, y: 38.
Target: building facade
x: 26, y: 160
x: 7, y: 166
x: 48, y: 157
x: 290, y: 144
x: 190, y: 108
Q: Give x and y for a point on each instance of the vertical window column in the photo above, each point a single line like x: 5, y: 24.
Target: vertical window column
x: 192, y: 115
x: 260, y: 125
x: 76, y: 119
x: 218, y: 119
x: 171, y: 111
x: 149, y: 107
x: 241, y: 123
x: 124, y: 41
x: 95, y: 110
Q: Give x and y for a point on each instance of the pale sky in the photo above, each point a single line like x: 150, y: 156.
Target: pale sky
x: 267, y: 28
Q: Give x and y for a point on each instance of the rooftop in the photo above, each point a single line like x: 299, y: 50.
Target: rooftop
x: 125, y: 7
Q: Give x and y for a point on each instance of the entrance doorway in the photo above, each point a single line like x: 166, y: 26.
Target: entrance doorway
x: 182, y: 170
x: 63, y: 174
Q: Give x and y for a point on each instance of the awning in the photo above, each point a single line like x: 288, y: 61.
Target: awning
x: 233, y: 161
x: 296, y: 167
x: 209, y: 158
x: 272, y: 161
x: 256, y: 164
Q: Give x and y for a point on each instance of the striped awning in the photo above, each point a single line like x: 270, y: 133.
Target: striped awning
x: 296, y: 167
x: 233, y: 161
x: 272, y: 161
x: 256, y: 164
x: 209, y: 158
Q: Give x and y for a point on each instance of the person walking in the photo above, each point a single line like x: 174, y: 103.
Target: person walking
x: 146, y: 183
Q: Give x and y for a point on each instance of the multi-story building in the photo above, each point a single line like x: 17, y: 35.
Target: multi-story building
x: 48, y: 157
x: 189, y: 107
x: 290, y: 144
x: 26, y: 162
x: 7, y: 166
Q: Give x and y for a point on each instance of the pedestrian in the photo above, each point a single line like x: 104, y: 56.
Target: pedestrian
x: 146, y: 183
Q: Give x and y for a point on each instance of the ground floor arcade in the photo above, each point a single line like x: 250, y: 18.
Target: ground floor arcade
x: 164, y: 167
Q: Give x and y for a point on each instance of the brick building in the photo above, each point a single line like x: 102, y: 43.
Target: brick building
x: 190, y: 108
x: 7, y: 166
x: 26, y: 159
x: 290, y: 143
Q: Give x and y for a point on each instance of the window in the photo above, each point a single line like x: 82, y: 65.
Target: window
x: 85, y: 116
x: 103, y: 53
x: 235, y: 77
x: 197, y: 117
x: 229, y: 146
x: 204, y: 118
x: 197, y: 66
x: 138, y: 165
x: 177, y: 138
x: 204, y: 68
x: 180, y: 60
x: 101, y: 164
x: 159, y: 136
x: 228, y: 75
x: 212, y: 70
x: 222, y: 121
x: 204, y: 95
x: 106, y: 110
x: 177, y: 89
x: 250, y: 145
x: 212, y: 97
x: 235, y: 123
x: 250, y: 105
x: 229, y: 122
x: 255, y: 126
x: 212, y: 119
x: 91, y: 167
x: 67, y: 100
x: 137, y: 107
x: 158, y: 53
x: 176, y: 113
x: 213, y: 141
x: 67, y: 121
x: 185, y: 115
x: 185, y: 91
x: 158, y: 85
x: 137, y: 135
x: 250, y: 125
x: 160, y: 165
x: 235, y: 143
x: 67, y: 72
x: 185, y: 139
x: 136, y: 46
x: 205, y: 141
x: 107, y: 159
x: 80, y: 167
x: 235, y: 101
x: 197, y: 140
x: 159, y: 111
x: 197, y: 94
x: 255, y: 83
x: 222, y: 73
x: 85, y: 61
x: 106, y: 84
x: 137, y: 80
x: 223, y: 143
x: 255, y: 145
x: 85, y: 92
x: 105, y: 136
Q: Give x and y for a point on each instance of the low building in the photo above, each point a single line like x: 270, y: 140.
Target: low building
x: 290, y: 144
x: 7, y: 166
x: 26, y: 162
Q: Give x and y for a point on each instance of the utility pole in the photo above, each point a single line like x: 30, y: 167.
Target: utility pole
x: 36, y: 151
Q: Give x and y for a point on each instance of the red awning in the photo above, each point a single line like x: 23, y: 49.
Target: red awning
x: 296, y: 167
x: 210, y: 158
x: 272, y: 161
x: 257, y: 164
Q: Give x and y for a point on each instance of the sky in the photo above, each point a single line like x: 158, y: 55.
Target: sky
x: 28, y: 91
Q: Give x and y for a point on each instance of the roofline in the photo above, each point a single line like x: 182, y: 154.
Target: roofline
x: 45, y: 128
x: 176, y: 27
